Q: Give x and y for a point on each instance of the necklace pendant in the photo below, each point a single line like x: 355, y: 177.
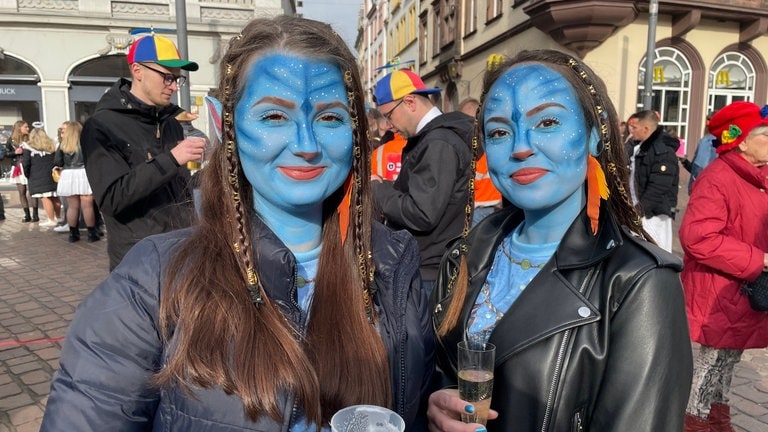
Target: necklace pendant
x: 300, y: 282
x: 525, y: 264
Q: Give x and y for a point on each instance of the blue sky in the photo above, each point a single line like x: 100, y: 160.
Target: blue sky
x: 341, y: 14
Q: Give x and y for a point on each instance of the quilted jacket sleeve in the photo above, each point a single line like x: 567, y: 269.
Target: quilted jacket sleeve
x: 110, y: 351
x: 704, y: 231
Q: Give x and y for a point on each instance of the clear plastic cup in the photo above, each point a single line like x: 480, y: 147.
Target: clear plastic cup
x: 367, y: 418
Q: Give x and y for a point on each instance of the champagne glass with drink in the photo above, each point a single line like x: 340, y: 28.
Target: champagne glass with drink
x: 476, y: 363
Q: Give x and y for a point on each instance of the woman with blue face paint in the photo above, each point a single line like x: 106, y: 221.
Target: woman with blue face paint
x: 285, y: 302
x: 587, y: 317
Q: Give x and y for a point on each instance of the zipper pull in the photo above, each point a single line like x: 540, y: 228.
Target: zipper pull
x: 157, y: 133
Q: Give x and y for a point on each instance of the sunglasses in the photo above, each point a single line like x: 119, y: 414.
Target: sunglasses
x: 168, y: 78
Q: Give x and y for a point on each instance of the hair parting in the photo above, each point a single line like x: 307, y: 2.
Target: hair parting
x: 599, y: 113
x: 226, y: 330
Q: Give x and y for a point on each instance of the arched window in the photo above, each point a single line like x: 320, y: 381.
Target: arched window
x: 12, y: 69
x: 90, y: 79
x: 731, y: 78
x: 20, y: 96
x: 671, y: 88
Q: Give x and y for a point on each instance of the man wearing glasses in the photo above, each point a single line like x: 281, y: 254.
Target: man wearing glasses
x: 430, y: 195
x: 135, y: 150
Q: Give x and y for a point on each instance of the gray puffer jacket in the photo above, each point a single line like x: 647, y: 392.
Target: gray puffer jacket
x: 113, y: 344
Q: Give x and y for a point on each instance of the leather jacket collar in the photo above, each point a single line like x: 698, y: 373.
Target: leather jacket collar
x: 556, y: 299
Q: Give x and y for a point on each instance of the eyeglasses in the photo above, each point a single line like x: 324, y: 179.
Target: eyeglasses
x: 388, y: 115
x: 168, y: 78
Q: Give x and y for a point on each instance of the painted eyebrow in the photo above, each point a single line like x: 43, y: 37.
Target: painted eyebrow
x: 334, y: 104
x: 275, y: 100
x: 542, y: 107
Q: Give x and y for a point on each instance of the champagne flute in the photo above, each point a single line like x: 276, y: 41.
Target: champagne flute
x: 476, y: 379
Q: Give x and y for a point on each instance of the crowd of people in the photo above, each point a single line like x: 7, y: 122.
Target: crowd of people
x: 337, y: 253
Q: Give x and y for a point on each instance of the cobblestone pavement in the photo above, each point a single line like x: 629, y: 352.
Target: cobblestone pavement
x: 43, y: 278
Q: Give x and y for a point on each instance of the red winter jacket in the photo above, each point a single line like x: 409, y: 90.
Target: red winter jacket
x: 724, y: 235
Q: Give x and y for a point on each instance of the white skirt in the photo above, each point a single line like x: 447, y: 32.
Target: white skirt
x: 73, y: 181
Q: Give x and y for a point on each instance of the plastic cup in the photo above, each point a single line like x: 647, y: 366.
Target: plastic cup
x: 367, y: 418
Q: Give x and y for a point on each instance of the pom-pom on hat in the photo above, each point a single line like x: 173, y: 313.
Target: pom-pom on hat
x: 732, y: 123
x: 160, y: 50
x: 398, y: 84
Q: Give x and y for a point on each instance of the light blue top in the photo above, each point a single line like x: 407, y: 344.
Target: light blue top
x: 514, y: 267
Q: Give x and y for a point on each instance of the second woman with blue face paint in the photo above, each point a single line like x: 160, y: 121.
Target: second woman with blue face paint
x: 587, y: 318
x: 285, y: 302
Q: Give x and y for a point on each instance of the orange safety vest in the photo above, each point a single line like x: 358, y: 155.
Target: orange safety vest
x: 386, y: 158
x: 486, y: 194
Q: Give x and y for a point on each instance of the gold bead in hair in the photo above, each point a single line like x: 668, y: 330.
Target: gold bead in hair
x: 236, y: 247
x: 348, y: 77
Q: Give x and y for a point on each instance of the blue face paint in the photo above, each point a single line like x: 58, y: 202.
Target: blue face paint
x: 536, y: 140
x: 294, y: 138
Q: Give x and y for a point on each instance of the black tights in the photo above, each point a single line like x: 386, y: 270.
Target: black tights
x: 24, y: 198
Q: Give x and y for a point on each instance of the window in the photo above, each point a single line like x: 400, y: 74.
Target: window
x: 436, y: 37
x: 493, y: 10
x: 470, y: 17
x: 671, y: 89
x: 423, y: 35
x: 731, y: 79
x: 445, y: 18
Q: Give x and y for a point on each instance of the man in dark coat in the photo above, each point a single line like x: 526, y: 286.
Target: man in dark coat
x: 430, y: 195
x: 654, y: 174
x: 135, y: 150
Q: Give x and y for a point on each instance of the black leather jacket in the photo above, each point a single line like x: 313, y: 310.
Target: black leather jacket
x: 597, y: 342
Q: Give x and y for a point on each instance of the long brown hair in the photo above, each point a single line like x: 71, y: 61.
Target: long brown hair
x: 16, y: 136
x: 70, y: 139
x: 228, y: 332
x: 599, y: 114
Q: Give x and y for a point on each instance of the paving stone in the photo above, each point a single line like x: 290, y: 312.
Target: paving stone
x: 35, y: 377
x: 26, y: 414
x: 15, y: 401
x: 33, y: 426
x: 9, y: 389
x: 25, y: 367
x: 49, y: 353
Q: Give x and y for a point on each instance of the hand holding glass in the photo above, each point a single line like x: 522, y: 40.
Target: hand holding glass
x: 476, y: 379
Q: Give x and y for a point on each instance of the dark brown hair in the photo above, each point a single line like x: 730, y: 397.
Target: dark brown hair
x: 229, y: 334
x: 599, y: 114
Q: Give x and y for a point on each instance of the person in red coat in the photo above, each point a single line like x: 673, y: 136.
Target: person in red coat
x: 725, y: 240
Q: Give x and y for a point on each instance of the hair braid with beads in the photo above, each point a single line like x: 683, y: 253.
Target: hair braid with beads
x: 226, y: 330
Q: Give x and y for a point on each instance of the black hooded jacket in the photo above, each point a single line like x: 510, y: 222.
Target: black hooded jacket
x: 431, y: 193
x: 138, y: 185
x: 657, y: 174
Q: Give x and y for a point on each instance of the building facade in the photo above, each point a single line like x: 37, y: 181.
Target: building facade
x: 707, y: 53
x: 57, y: 57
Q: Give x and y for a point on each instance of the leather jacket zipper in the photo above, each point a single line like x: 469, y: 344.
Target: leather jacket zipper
x: 555, y: 380
x: 559, y: 363
x: 303, y: 323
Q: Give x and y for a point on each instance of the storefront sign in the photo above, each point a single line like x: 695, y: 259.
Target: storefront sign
x: 19, y: 92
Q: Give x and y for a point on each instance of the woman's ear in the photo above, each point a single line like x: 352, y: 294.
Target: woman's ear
x: 595, y: 146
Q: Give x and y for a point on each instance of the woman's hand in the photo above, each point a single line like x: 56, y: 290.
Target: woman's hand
x: 444, y: 413
x: 19, y: 150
